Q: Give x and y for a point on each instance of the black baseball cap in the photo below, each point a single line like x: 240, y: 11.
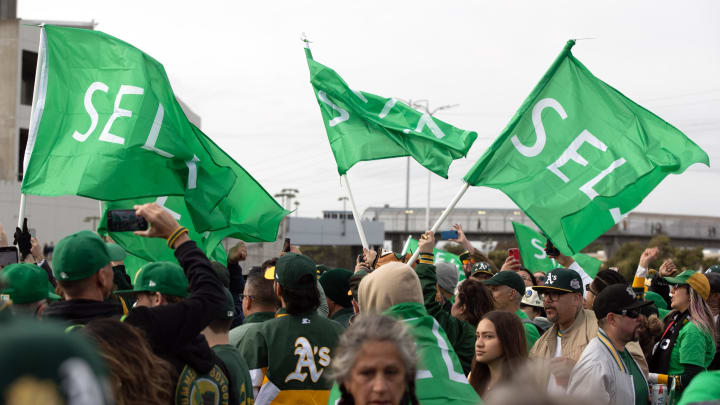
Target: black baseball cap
x: 563, y: 280
x: 617, y: 299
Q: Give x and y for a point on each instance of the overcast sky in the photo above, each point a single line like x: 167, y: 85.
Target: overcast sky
x: 240, y: 66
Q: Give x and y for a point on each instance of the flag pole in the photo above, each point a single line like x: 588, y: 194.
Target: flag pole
x: 32, y: 130
x: 444, y: 215
x: 356, y: 215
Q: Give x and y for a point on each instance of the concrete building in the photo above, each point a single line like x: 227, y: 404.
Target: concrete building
x: 52, y: 217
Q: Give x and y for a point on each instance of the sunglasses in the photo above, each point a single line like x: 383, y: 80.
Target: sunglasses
x: 630, y: 313
x: 541, y: 278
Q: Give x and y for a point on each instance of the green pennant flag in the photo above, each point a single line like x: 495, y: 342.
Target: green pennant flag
x: 534, y: 258
x: 362, y: 126
x: 106, y: 125
x: 579, y: 155
x: 440, y: 256
x: 142, y: 250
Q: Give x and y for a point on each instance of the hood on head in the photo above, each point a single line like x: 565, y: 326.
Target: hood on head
x: 391, y: 284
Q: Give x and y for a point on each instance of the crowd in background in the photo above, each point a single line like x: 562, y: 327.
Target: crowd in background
x: 77, y: 330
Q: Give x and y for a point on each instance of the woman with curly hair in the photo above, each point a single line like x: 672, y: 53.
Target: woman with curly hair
x: 137, y: 375
x: 375, y: 361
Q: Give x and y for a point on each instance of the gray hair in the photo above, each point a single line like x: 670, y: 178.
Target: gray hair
x: 373, y: 328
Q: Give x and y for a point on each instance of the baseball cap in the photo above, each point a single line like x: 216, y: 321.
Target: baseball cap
x: 83, y: 254
x: 715, y: 268
x: 561, y: 279
x: 336, y: 284
x: 714, y: 280
x: 163, y: 277
x: 481, y: 267
x: 290, y: 269
x: 26, y: 283
x: 531, y: 298
x: 508, y: 278
x: 617, y: 299
x: 228, y: 308
x: 354, y: 283
x: 659, y: 302
x: 697, y: 281
x: 447, y: 276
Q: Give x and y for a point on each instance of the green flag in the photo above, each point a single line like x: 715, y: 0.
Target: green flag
x: 142, y: 250
x: 106, y: 125
x: 440, y: 256
x: 579, y: 155
x: 362, y: 126
x: 534, y: 258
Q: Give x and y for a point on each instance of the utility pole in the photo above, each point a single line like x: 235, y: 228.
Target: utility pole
x: 286, y: 194
x: 297, y: 208
x: 344, y: 200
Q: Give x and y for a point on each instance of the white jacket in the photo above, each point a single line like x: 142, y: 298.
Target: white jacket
x: 599, y: 376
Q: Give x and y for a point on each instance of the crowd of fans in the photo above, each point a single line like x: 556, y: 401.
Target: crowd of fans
x: 77, y: 330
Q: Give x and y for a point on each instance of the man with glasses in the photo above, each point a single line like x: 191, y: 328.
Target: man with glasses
x: 259, y: 304
x: 606, y: 371
x: 572, y: 329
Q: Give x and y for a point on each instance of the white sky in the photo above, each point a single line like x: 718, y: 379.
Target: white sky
x: 240, y: 65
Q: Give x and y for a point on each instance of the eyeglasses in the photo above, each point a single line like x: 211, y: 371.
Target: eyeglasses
x: 246, y: 295
x: 587, y: 288
x: 630, y: 313
x: 552, y: 297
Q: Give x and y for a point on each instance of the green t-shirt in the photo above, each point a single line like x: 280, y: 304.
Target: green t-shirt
x: 705, y: 387
x: 692, y: 346
x: 239, y: 372
x: 531, y: 332
x: 642, y: 395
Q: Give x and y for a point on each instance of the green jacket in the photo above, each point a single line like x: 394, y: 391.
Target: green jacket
x: 460, y: 333
x: 252, y: 321
x: 343, y: 316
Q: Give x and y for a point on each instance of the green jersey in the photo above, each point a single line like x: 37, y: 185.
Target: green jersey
x: 642, y: 393
x: 239, y: 372
x: 704, y: 388
x: 692, y: 346
x: 531, y: 332
x: 287, y: 357
x: 251, y: 321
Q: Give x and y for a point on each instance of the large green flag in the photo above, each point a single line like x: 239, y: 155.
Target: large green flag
x: 440, y: 256
x: 579, y: 155
x: 362, y: 126
x: 142, y: 250
x: 534, y: 258
x: 106, y: 125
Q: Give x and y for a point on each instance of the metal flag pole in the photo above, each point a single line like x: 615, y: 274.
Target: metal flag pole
x: 444, y: 215
x: 38, y: 104
x: 356, y: 214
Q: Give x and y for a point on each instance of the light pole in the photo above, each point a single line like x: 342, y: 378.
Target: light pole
x: 344, y: 200
x: 297, y: 209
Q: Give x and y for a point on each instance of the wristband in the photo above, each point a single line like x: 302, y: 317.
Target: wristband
x: 175, y: 235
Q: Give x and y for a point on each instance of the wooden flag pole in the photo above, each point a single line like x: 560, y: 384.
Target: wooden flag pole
x: 444, y: 215
x: 38, y: 100
x: 356, y: 214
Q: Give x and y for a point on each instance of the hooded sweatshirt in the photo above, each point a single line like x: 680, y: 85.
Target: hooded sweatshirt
x: 392, y: 283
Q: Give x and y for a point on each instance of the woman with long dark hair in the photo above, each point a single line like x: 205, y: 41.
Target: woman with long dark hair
x: 687, y: 346
x: 500, y: 350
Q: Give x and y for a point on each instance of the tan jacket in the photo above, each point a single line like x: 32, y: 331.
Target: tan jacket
x: 574, y: 341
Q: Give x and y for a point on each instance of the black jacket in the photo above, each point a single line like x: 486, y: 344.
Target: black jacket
x: 81, y: 311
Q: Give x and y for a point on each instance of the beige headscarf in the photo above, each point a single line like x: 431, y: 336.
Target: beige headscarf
x: 390, y: 284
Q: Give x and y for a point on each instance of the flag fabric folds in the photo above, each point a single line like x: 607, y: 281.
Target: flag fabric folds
x: 362, y: 126
x: 534, y: 258
x: 578, y: 155
x: 411, y: 244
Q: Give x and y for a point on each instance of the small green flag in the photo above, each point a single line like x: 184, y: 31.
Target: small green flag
x: 440, y: 256
x: 579, y: 155
x: 534, y: 258
x: 106, y: 125
x: 362, y: 126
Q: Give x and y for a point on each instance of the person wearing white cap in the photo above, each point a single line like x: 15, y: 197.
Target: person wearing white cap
x: 532, y: 305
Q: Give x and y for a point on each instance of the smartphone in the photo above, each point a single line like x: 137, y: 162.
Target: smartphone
x: 8, y: 255
x: 286, y: 245
x: 124, y: 221
x: 514, y: 252
x: 445, y: 235
x: 551, y: 250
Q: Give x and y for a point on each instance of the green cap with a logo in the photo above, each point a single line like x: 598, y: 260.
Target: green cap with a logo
x: 561, y: 279
x: 508, y: 278
x: 290, y: 269
x: 163, y: 277
x: 83, y: 254
x: 228, y: 308
x: 482, y: 267
x: 26, y: 283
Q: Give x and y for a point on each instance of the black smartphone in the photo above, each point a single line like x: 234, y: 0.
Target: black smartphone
x: 8, y: 255
x: 125, y: 220
x: 551, y: 250
x: 445, y: 235
x: 286, y: 245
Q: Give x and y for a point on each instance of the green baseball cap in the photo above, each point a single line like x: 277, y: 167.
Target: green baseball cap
x: 228, y: 309
x: 26, y: 283
x: 336, y: 284
x: 696, y: 281
x: 482, y: 267
x: 290, y: 269
x: 508, y: 278
x: 163, y: 277
x: 83, y: 254
x: 561, y: 279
